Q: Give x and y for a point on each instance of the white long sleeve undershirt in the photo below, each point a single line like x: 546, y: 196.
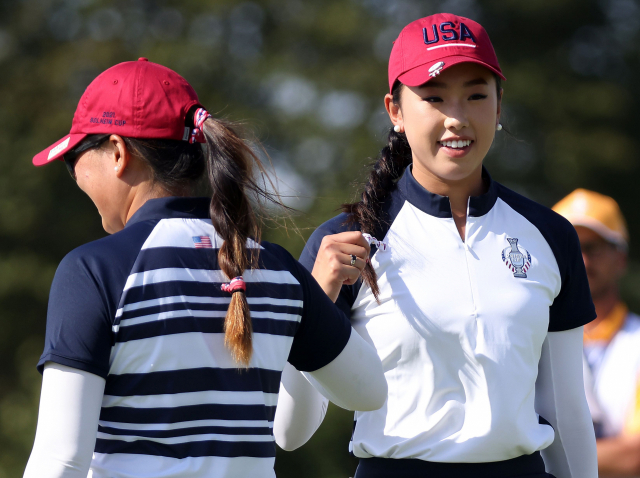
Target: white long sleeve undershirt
x: 70, y: 404
x: 300, y: 411
x: 560, y: 399
x: 304, y: 397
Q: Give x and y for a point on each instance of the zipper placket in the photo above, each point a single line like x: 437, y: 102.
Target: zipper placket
x: 465, y: 244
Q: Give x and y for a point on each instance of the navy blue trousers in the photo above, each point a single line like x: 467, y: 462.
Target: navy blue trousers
x: 526, y: 466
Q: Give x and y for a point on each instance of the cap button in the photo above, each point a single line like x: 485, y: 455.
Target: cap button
x: 142, y: 58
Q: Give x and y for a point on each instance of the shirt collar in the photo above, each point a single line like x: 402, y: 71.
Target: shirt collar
x: 162, y: 208
x: 439, y: 206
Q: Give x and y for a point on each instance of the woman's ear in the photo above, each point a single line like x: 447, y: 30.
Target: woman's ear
x: 119, y: 153
x: 394, y: 111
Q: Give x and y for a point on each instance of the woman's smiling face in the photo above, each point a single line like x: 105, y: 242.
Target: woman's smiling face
x: 450, y: 122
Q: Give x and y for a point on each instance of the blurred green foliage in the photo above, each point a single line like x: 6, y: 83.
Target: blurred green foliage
x: 308, y: 78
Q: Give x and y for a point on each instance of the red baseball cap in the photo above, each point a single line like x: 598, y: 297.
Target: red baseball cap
x: 432, y: 44
x: 137, y: 99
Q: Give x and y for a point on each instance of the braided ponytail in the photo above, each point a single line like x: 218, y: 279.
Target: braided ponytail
x: 178, y: 166
x: 229, y: 166
x: 389, y: 166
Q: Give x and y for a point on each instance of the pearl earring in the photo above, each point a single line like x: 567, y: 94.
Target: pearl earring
x: 116, y: 169
x: 396, y: 128
x: 499, y: 127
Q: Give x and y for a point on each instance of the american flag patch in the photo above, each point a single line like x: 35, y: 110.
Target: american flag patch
x: 202, y: 242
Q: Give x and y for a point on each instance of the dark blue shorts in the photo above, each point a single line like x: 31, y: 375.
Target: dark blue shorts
x: 526, y: 466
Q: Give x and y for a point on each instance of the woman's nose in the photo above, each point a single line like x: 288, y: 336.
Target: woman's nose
x: 456, y: 121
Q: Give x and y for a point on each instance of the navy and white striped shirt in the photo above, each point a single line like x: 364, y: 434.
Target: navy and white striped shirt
x: 144, y: 310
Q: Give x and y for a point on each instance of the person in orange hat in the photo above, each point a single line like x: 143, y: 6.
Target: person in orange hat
x: 612, y: 341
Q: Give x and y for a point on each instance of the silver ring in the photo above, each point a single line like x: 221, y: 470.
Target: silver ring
x: 353, y: 260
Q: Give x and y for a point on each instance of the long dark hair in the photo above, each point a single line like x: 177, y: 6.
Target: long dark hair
x: 387, y: 169
x: 178, y: 167
x: 389, y: 166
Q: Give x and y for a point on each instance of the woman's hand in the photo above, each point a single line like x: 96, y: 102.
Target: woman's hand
x: 333, y: 267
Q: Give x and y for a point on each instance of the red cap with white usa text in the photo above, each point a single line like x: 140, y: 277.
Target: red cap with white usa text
x: 430, y: 45
x: 136, y: 99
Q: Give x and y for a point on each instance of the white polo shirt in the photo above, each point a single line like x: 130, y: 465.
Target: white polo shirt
x: 460, y: 324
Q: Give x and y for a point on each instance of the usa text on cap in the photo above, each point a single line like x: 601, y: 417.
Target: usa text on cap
x: 430, y: 45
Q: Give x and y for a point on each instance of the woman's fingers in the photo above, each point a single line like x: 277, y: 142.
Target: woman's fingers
x: 352, y: 260
x: 350, y: 237
x: 352, y: 257
x: 352, y: 250
x: 341, y: 258
x: 352, y: 268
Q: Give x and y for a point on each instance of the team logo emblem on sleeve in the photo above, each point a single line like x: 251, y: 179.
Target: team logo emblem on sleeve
x: 516, y: 258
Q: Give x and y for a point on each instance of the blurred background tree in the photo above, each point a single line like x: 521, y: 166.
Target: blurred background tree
x: 308, y: 78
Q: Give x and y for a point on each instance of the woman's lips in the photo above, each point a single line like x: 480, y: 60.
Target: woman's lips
x: 456, y: 148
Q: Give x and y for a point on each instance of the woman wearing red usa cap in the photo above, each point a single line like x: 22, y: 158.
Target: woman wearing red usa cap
x: 475, y: 296
x: 166, y: 340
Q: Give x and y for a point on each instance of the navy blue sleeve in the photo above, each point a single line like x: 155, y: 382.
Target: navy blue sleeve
x: 348, y: 293
x: 78, y: 322
x: 573, y: 306
x: 324, y: 329
x: 84, y: 299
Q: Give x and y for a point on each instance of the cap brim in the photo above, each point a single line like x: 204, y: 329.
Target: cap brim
x: 597, y: 227
x: 57, y: 149
x: 421, y: 74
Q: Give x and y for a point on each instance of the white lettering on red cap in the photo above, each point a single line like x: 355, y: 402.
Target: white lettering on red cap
x: 435, y: 69
x: 58, y: 148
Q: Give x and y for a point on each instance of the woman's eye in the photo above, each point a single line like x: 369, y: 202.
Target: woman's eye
x: 433, y: 99
x: 478, y: 96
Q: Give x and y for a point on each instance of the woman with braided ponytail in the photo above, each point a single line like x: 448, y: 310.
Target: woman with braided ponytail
x: 166, y: 341
x: 474, y: 296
